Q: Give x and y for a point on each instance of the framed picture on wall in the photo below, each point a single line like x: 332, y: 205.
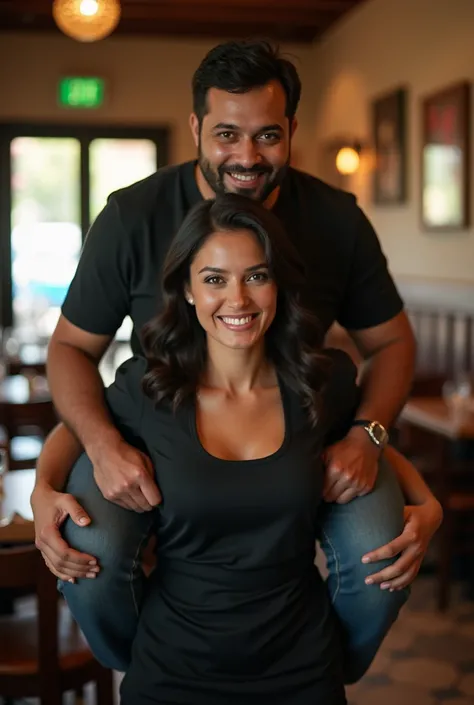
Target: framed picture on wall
x: 445, y: 159
x: 389, y: 139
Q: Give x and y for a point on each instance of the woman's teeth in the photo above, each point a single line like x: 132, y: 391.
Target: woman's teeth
x: 237, y: 321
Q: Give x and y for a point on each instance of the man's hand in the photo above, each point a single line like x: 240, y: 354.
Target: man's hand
x: 351, y: 467
x: 421, y: 523
x: 125, y: 476
x: 50, y: 509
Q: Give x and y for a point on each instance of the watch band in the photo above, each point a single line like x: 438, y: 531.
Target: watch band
x: 362, y: 422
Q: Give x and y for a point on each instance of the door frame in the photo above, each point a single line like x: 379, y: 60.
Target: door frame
x: 84, y: 133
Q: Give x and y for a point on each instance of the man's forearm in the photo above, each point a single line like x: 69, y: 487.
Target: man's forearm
x: 78, y: 394
x: 386, y: 383
x: 59, y: 453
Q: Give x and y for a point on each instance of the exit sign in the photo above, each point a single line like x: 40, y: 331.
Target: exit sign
x: 81, y: 92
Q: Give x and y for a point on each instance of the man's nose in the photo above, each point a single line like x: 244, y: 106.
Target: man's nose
x: 247, y: 154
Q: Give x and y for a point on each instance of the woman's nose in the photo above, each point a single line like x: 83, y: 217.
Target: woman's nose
x: 237, y: 296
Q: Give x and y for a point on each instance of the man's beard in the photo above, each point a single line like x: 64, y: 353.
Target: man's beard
x: 215, y: 178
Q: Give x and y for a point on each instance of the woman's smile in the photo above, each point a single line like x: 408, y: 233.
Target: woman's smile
x: 239, y: 323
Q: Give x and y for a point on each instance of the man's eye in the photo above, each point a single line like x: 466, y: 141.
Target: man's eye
x: 226, y: 135
x: 270, y: 137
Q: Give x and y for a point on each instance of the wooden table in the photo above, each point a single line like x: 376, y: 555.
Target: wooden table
x: 16, y: 517
x: 432, y: 414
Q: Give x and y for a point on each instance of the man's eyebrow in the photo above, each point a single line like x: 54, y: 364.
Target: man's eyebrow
x: 235, y: 128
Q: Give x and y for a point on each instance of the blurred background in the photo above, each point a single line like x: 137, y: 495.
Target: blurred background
x: 95, y: 95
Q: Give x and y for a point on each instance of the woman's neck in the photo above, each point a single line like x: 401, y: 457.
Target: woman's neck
x: 237, y: 371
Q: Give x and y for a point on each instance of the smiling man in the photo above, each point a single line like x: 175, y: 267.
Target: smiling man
x: 245, y: 97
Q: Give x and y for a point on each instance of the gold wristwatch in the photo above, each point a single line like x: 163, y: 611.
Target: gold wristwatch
x: 377, y: 433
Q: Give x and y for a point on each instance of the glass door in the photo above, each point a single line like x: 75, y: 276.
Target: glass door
x: 115, y: 163
x: 54, y: 182
x: 46, y: 234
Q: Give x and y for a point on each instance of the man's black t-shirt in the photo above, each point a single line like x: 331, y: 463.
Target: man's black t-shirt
x: 119, y: 273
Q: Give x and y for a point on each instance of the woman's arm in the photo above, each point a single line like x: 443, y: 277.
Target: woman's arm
x: 60, y: 451
x: 51, y: 506
x: 414, y: 488
x: 423, y: 516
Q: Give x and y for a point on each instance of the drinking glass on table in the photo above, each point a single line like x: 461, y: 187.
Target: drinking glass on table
x: 459, y: 395
x: 3, y: 467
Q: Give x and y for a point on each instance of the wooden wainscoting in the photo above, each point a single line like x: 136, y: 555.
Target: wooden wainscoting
x: 442, y: 315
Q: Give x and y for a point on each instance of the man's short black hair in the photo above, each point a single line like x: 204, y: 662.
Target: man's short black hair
x: 239, y: 66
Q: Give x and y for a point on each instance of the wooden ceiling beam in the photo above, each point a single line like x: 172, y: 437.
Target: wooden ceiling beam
x: 190, y: 12
x: 331, y: 6
x: 225, y: 13
x: 284, y: 20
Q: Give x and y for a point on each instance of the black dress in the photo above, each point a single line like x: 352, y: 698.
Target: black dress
x: 236, y: 613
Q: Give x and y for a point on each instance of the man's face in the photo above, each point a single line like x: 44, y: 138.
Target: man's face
x: 244, y: 141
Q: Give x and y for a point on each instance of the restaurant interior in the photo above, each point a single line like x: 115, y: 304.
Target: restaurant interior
x: 94, y: 96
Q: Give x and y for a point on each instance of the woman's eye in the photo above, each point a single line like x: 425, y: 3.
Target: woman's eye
x: 259, y: 277
x: 214, y: 280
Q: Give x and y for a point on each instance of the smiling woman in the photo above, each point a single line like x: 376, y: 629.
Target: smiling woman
x: 232, y: 289
x: 226, y: 269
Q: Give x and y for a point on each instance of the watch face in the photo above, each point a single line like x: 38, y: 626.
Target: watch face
x: 379, y: 433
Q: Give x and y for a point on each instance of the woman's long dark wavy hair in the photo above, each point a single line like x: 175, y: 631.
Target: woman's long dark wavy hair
x: 175, y: 342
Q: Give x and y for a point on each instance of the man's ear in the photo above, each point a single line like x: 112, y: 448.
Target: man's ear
x: 195, y: 128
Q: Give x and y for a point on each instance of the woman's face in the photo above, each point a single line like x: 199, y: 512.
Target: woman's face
x: 231, y: 289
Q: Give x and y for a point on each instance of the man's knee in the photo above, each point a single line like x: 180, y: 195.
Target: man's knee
x: 377, y: 518
x: 105, y: 541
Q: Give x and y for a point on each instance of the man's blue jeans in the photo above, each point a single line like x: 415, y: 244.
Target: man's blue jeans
x: 107, y: 607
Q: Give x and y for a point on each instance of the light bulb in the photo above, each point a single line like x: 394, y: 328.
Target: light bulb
x: 347, y: 160
x: 89, y: 7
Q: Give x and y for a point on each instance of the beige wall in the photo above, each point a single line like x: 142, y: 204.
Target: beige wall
x: 424, y: 44
x: 149, y: 82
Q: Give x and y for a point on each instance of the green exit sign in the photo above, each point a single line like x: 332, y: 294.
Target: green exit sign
x: 81, y: 92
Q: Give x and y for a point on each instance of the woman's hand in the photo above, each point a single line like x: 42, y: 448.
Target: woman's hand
x: 50, y: 509
x: 421, y: 523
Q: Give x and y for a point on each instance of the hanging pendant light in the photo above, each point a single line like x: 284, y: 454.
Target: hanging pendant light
x: 86, y: 20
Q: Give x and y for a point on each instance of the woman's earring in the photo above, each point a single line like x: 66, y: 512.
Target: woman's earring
x: 190, y: 300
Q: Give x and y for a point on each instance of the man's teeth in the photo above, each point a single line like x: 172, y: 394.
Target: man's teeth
x: 244, y: 177
x: 237, y: 321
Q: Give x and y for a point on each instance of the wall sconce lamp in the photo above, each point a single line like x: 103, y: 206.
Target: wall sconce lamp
x: 86, y: 20
x: 348, y: 159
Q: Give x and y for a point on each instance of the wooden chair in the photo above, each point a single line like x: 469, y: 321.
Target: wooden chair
x: 21, y: 421
x: 42, y: 651
x: 454, y: 491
